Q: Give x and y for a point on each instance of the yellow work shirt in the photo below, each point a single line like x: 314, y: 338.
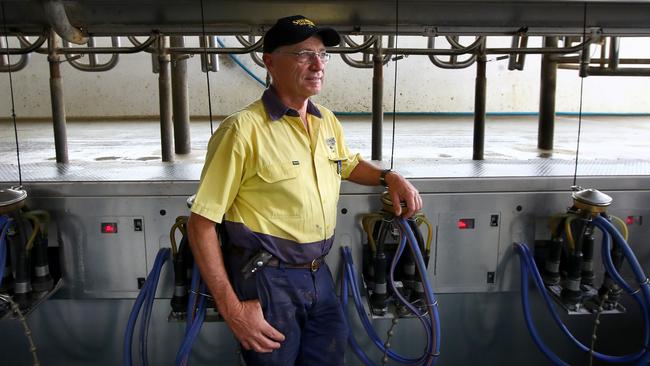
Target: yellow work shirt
x: 276, y: 183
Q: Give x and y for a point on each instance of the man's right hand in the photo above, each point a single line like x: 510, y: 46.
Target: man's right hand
x: 246, y: 320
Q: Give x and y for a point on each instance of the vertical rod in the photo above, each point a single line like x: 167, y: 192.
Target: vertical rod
x: 479, y: 107
x: 165, y: 93
x: 4, y: 59
x: 180, y: 99
x: 377, y: 102
x: 613, y: 52
x: 548, y: 83
x: 58, y: 104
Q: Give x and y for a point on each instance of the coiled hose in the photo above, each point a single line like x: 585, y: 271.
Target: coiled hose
x: 641, y: 296
x: 430, y: 320
x: 145, y: 297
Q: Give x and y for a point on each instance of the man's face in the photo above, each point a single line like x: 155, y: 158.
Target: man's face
x: 297, y: 75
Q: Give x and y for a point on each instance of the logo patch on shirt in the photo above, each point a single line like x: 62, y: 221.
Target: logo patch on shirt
x: 295, y: 162
x: 331, y: 143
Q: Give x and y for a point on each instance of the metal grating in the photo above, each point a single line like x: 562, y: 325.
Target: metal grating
x: 426, y: 168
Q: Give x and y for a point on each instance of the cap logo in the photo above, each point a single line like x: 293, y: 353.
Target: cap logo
x: 304, y: 22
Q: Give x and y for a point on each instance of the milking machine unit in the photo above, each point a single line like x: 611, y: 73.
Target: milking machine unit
x: 568, y: 276
x: 25, y: 253
x: 382, y: 243
x: 395, y: 281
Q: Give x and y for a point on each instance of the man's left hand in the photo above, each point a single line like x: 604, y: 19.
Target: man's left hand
x: 400, y: 190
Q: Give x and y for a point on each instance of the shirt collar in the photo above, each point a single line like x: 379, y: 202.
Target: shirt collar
x: 276, y: 109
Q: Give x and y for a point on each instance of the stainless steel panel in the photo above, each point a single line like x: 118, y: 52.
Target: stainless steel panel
x: 415, y: 16
x: 112, y: 262
x: 464, y: 258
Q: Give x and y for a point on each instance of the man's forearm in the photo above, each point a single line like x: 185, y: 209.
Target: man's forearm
x: 209, y: 257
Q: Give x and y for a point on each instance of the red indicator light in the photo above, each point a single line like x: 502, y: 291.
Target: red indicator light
x: 465, y: 224
x: 629, y: 220
x: 109, y: 227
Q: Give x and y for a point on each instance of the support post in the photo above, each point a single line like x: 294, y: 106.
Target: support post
x: 479, y: 106
x: 548, y: 83
x: 165, y: 93
x: 58, y: 102
x: 377, y: 102
x: 180, y: 99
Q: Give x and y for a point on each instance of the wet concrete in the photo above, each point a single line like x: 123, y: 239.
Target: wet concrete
x: 419, y: 141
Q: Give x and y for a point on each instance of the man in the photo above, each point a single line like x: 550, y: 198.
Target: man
x: 274, y: 170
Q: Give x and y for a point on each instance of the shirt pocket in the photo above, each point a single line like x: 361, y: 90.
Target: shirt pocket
x: 280, y: 193
x: 336, y: 163
x: 274, y: 173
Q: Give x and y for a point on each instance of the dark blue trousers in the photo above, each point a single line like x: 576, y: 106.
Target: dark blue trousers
x: 303, y: 306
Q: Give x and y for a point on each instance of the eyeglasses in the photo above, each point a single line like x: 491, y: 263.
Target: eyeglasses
x: 304, y: 57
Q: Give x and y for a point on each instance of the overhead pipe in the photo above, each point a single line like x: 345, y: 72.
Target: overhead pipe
x: 180, y: 99
x: 5, y: 65
x: 224, y: 50
x: 209, y: 62
x: 144, y: 46
x: 251, y: 40
x: 453, y: 60
x: 516, y: 61
x: 366, y: 63
x: 58, y: 19
x: 29, y: 47
x: 93, y: 64
x: 547, y: 89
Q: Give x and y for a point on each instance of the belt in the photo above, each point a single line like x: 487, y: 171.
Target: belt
x: 314, y: 265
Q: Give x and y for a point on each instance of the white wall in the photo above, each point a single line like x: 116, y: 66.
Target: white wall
x: 131, y: 89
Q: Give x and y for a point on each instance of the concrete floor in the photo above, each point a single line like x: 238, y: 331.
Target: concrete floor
x: 419, y: 141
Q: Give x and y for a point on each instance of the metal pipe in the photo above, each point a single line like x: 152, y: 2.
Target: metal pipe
x: 452, y: 63
x: 5, y: 65
x: 254, y: 56
x: 480, y: 93
x: 547, y: 88
x: 229, y: 50
x: 93, y: 65
x: 585, y: 60
x: 209, y: 62
x: 543, y: 50
x: 568, y: 60
x: 613, y: 52
x: 100, y: 50
x: 32, y: 46
x: 165, y: 98
x: 58, y: 19
x: 180, y: 99
x: 377, y: 102
x: 58, y: 104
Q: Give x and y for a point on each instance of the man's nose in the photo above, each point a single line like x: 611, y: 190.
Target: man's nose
x: 317, y: 63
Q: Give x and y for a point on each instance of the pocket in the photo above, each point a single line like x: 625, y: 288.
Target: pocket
x: 336, y: 162
x: 278, y: 172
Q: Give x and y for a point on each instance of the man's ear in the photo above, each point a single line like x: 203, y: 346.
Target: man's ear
x: 268, y: 61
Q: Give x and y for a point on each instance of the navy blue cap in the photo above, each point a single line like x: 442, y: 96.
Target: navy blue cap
x: 295, y: 29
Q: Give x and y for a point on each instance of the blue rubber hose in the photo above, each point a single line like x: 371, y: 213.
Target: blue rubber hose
x: 194, y: 322
x: 344, y: 306
x: 162, y: 256
x: 4, y: 228
x: 365, y: 321
x: 537, y: 279
x: 349, y: 280
x: 127, y: 360
x: 528, y: 266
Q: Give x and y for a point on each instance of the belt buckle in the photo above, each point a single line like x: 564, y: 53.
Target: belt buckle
x: 313, y: 266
